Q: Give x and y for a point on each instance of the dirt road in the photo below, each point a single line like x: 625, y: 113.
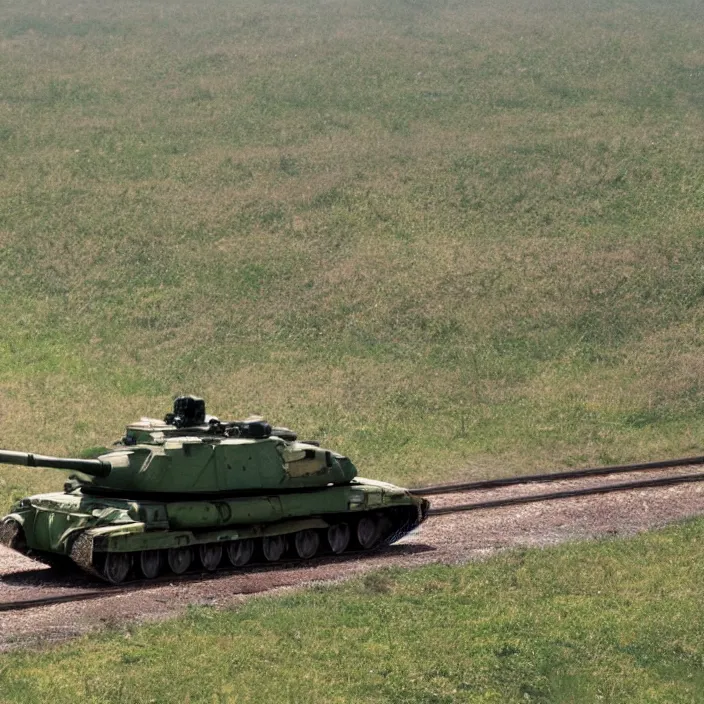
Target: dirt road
x: 453, y: 538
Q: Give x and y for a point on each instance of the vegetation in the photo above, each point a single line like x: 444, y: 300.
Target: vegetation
x: 606, y: 622
x: 448, y: 238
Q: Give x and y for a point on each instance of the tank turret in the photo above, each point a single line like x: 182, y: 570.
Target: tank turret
x: 193, y: 489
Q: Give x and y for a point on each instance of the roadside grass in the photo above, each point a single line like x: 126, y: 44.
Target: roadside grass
x: 605, y: 621
x: 449, y: 239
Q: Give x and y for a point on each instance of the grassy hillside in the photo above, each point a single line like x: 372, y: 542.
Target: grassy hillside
x: 607, y: 622
x: 448, y: 238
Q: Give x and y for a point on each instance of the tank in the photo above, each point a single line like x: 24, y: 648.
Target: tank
x: 192, y: 492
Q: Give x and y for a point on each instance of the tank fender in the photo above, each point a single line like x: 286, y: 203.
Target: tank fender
x: 112, y: 515
x: 286, y: 527
x: 159, y: 540
x: 101, y: 540
x: 18, y: 516
x: 82, y: 548
x: 67, y: 537
x: 124, y: 529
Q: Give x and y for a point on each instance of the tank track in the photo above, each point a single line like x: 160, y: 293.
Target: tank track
x: 11, y: 535
x: 394, y: 524
x: 413, y: 520
x: 82, y: 555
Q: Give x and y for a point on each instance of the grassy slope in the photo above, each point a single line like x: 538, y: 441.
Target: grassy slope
x: 604, y: 622
x: 446, y: 238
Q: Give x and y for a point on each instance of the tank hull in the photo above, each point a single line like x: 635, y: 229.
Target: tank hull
x: 97, y: 531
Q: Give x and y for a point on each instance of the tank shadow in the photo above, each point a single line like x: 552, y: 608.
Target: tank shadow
x: 47, y: 576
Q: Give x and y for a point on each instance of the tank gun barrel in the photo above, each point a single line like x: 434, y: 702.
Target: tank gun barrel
x: 95, y: 468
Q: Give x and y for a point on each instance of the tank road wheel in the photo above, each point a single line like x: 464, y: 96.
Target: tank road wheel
x: 210, y: 556
x: 273, y: 547
x: 368, y: 532
x: 339, y: 537
x: 117, y: 566
x: 307, y: 543
x: 151, y: 562
x: 179, y: 559
x: 239, y: 552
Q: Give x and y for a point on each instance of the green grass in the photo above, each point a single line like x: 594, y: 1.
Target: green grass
x: 614, y: 621
x: 449, y: 239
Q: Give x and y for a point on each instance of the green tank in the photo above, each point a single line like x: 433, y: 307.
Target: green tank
x: 194, y: 492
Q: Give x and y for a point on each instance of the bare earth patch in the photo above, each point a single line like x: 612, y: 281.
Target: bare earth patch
x: 447, y: 539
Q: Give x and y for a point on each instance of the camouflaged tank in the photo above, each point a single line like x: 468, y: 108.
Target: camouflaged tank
x: 193, y: 492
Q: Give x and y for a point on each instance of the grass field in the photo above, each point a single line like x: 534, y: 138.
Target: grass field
x: 447, y: 238
x: 617, y: 621
x: 451, y: 239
